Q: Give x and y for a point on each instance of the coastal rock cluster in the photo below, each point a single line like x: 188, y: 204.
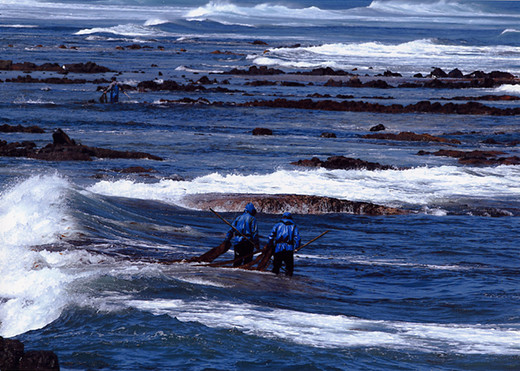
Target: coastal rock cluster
x: 63, y: 148
x: 476, y: 157
x: 89, y: 67
x: 13, y: 357
x: 468, y: 108
x: 297, y: 204
x: 343, y: 163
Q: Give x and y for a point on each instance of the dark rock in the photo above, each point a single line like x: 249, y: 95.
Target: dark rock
x: 469, y: 108
x: 412, y: 137
x: 39, y: 360
x: 297, y: 204
x: 477, y: 157
x: 262, y: 131
x: 324, y: 71
x: 168, y: 85
x: 438, y: 72
x: 60, y: 138
x: 254, y: 70
x: 204, y: 80
x: 343, y: 163
x: 491, y: 98
x: 13, y: 357
x: 5, y: 128
x: 328, y: 135
x: 378, y: 127
x: 65, y: 149
x: 11, y: 351
x: 292, y: 83
x: 455, y: 74
x: 388, y: 73
x: 134, y: 170
x: 89, y: 67
x: 490, y: 141
x: 259, y: 42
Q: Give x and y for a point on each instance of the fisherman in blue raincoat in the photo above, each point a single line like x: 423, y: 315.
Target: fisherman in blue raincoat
x: 247, y: 226
x: 284, y: 238
x: 113, y: 89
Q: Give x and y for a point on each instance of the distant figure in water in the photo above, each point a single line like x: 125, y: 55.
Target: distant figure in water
x: 284, y: 238
x: 245, y: 224
x: 113, y: 89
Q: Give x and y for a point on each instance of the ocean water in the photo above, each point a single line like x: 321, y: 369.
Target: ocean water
x: 83, y: 246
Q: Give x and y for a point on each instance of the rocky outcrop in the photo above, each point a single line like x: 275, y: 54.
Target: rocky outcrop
x: 13, y: 357
x: 64, y: 148
x: 477, y: 157
x: 254, y: 70
x: 89, y: 67
x: 262, y: 131
x: 28, y: 79
x: 411, y: 137
x: 342, y: 163
x: 469, y: 108
x: 6, y: 128
x: 277, y: 204
x: 489, y: 98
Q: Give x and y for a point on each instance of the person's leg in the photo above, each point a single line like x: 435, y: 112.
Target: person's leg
x: 277, y: 262
x: 240, y: 250
x: 289, y: 263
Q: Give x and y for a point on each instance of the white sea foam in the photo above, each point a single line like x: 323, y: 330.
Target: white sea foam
x: 507, y: 89
x: 18, y: 26
x: 155, y: 22
x: 415, y: 55
x: 418, y: 186
x: 338, y: 331
x: 510, y: 30
x: 265, y: 13
x: 425, y: 7
x: 133, y: 30
x: 32, y: 213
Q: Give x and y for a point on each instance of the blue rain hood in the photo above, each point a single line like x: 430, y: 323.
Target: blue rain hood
x: 250, y: 208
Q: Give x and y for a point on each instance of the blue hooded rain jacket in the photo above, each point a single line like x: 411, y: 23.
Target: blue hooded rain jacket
x: 246, y: 224
x: 285, y: 235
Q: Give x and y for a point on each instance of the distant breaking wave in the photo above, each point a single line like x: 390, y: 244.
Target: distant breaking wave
x: 422, y: 8
x: 413, y: 56
x: 126, y: 30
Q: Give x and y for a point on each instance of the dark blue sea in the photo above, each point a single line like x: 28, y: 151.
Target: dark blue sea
x: 83, y: 244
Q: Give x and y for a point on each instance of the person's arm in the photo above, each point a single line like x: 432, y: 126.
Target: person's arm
x: 296, y: 237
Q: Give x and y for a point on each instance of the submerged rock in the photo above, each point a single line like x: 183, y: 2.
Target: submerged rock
x: 477, y: 157
x: 411, y: 137
x: 277, y: 204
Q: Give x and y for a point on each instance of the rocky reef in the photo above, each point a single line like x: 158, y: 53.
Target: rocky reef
x: 277, y: 204
x: 63, y: 148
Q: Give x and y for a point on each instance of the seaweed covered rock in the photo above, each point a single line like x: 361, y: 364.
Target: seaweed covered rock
x: 277, y: 204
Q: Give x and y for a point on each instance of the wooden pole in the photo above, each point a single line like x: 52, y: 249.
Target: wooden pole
x: 311, y: 241
x: 228, y: 223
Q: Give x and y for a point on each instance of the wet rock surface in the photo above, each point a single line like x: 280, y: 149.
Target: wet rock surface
x: 88, y: 67
x: 6, y: 128
x: 469, y: 108
x: 64, y: 148
x: 296, y: 204
x: 13, y: 357
x: 476, y: 157
x: 342, y: 163
x: 411, y: 137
